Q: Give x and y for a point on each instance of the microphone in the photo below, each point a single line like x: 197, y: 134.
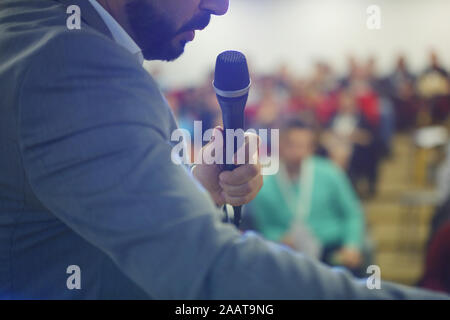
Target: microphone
x: 232, y: 84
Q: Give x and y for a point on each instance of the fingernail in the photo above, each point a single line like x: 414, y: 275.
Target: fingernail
x: 217, y: 130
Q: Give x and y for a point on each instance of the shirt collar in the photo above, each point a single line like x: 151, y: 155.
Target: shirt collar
x: 119, y: 34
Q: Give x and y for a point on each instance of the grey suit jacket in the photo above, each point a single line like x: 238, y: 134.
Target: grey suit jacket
x: 86, y: 179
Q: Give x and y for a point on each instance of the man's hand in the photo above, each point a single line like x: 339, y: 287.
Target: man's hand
x: 236, y: 187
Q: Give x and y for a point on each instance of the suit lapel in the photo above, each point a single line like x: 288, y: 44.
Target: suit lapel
x: 89, y: 15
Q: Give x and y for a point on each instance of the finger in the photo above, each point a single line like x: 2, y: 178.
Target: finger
x: 240, y: 175
x: 235, y: 201
x: 240, y: 200
x: 243, y: 189
x: 218, y: 130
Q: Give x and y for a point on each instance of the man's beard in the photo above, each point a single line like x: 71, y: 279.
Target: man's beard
x: 154, y: 32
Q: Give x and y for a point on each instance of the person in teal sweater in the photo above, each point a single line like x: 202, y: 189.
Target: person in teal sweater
x: 312, y: 196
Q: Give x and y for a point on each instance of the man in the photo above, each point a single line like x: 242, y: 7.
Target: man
x: 91, y: 204
x: 315, y: 193
x: 350, y: 130
x: 401, y: 85
x: 434, y: 87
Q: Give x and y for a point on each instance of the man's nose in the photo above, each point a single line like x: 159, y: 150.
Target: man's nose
x: 216, y: 7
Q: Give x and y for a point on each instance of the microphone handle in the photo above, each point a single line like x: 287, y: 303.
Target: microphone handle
x: 233, y: 118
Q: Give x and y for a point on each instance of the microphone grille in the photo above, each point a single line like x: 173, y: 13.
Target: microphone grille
x: 231, y: 71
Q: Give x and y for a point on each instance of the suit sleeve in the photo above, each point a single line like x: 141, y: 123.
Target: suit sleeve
x: 93, y: 142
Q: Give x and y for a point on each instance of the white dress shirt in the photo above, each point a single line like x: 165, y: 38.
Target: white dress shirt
x: 119, y: 34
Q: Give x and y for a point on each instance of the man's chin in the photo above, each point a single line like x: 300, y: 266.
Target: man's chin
x: 168, y: 54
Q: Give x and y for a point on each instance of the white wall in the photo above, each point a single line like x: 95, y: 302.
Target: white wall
x: 302, y: 31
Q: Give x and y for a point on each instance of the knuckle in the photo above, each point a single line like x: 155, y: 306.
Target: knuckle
x: 260, y: 185
x: 253, y: 170
x: 260, y: 181
x: 251, y: 197
x: 247, y: 188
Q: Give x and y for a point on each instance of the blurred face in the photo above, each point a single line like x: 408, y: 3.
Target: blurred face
x: 162, y: 28
x: 296, y: 145
x: 401, y: 63
x: 434, y: 59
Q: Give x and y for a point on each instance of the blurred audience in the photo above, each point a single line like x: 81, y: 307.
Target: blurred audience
x: 434, y: 88
x: 351, y: 120
x: 350, y: 139
x: 357, y: 114
x: 401, y: 88
x: 310, y: 204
